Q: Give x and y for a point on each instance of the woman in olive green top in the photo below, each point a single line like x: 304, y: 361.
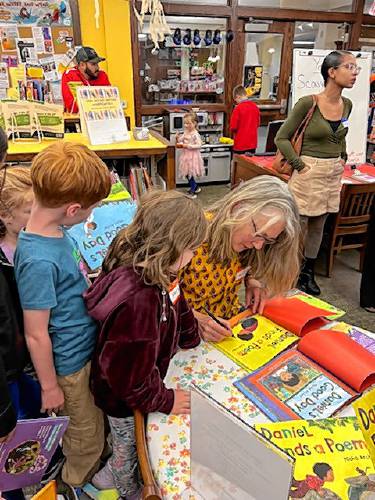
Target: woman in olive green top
x: 316, y: 178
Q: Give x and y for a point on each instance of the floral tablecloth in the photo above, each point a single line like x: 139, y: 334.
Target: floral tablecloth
x: 169, y: 435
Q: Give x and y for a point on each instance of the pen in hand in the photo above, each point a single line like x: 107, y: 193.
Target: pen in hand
x: 209, y: 313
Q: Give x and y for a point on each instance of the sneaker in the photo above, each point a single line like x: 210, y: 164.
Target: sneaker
x: 198, y: 190
x: 103, y: 480
x: 192, y: 195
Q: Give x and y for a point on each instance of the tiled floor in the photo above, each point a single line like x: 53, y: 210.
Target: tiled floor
x: 342, y: 289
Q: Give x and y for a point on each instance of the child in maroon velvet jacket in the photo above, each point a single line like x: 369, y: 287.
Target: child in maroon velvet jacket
x: 143, y: 319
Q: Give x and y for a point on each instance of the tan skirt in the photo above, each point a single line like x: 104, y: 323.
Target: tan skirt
x: 317, y: 191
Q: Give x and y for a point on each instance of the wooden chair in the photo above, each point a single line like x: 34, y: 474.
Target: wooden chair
x: 352, y: 221
x: 151, y: 490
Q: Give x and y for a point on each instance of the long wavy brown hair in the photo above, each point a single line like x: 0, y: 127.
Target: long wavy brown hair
x: 278, y: 264
x: 166, y: 224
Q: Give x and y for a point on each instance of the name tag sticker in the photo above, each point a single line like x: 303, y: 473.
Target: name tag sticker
x: 345, y: 122
x: 174, y: 291
x: 242, y: 273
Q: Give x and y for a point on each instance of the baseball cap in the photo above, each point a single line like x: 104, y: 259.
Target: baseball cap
x: 88, y: 54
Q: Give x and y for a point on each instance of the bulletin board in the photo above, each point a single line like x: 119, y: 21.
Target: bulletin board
x: 38, y: 35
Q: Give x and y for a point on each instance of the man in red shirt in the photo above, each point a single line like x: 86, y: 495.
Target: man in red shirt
x: 86, y: 72
x: 244, y: 122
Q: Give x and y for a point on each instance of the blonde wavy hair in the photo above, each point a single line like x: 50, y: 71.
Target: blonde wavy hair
x: 278, y: 264
x: 166, y: 224
x: 16, y: 190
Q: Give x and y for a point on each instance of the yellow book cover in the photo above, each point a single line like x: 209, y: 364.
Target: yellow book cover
x: 365, y: 410
x: 331, y: 458
x: 256, y: 340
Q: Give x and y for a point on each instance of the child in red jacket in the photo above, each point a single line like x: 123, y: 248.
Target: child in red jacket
x: 143, y: 318
x: 244, y: 122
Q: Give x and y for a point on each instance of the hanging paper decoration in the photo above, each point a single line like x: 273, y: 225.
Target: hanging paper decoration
x: 97, y: 13
x: 372, y: 9
x: 158, y: 24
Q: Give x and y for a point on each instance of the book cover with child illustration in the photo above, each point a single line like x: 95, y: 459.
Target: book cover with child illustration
x: 331, y: 458
x: 25, y: 457
x: 255, y: 341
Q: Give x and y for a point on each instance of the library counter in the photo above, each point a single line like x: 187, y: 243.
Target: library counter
x: 157, y: 148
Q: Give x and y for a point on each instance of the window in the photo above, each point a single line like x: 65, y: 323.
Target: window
x: 262, y: 64
x: 367, y: 6
x: 309, y: 35
x: 189, y: 72
x: 323, y: 5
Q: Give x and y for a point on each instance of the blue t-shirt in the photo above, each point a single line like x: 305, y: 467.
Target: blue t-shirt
x: 50, y: 275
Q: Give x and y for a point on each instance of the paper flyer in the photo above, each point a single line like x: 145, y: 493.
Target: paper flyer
x: 50, y: 119
x: 4, y: 77
x: 18, y: 119
x: 26, y: 50
x: 17, y: 74
x: 43, y: 39
x: 48, y: 65
x: 9, y: 35
x: 10, y: 60
x: 25, y: 457
x: 102, y: 117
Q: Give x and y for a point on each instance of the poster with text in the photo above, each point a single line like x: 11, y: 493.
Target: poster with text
x: 9, y: 35
x: 26, y: 50
x: 36, y: 13
x: 43, y: 39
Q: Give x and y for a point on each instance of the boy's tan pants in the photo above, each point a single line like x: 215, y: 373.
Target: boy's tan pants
x: 83, y: 442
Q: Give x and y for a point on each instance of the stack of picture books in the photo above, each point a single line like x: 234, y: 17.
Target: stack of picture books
x: 300, y: 366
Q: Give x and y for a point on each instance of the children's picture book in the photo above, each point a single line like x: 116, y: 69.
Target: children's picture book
x: 255, y: 341
x: 25, y: 457
x: 331, y: 458
x: 94, y: 236
x: 363, y: 337
x: 365, y: 410
x: 102, y: 116
x: 300, y: 313
x: 323, y: 374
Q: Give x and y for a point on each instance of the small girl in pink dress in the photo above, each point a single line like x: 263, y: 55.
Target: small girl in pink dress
x: 191, y: 163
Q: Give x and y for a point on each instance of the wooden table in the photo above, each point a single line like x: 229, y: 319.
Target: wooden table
x: 247, y: 167
x: 157, y: 147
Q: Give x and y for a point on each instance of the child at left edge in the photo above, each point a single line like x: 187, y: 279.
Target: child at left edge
x: 68, y: 181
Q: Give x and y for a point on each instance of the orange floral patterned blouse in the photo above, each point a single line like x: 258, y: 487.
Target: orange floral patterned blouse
x: 212, y: 285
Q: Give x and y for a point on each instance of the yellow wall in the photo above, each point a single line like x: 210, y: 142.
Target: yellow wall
x: 111, y: 40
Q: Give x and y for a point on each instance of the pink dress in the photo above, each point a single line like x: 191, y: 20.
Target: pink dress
x: 191, y: 162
